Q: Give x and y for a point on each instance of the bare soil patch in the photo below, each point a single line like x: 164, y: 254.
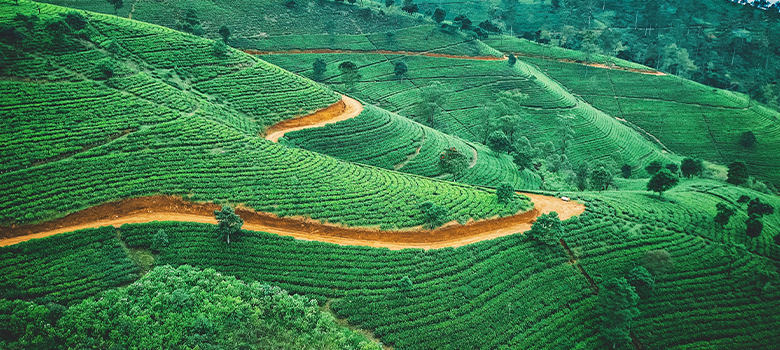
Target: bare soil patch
x: 344, y: 109
x: 382, y: 52
x: 170, y: 208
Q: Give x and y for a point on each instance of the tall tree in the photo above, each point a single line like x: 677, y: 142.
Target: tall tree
x: 400, y: 69
x: 617, y: 302
x: 225, y: 33
x: 349, y: 74
x: 725, y: 212
x: 547, y: 229
x: 319, y: 67
x: 438, y: 15
x: 653, y: 167
x: 691, y: 167
x: 600, y: 178
x: 409, y: 6
x: 505, y: 193
x: 662, y: 181
x: 738, y: 173
x: 229, y: 222
x: 431, y: 96
x: 453, y: 161
x: 565, y: 132
x: 117, y: 5
x: 625, y: 171
x: 499, y: 142
x: 434, y: 215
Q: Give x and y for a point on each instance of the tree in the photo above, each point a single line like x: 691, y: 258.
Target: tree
x: 438, y: 15
x: 691, y: 167
x: 600, y: 178
x: 159, y: 241
x: 453, y: 161
x: 105, y: 67
x: 565, y: 130
x: 117, y: 5
x: 754, y: 226
x: 291, y: 4
x: 409, y: 6
x: 432, y: 96
x: 755, y: 207
x: 505, y: 193
x: 662, y: 181
x: 672, y: 167
x: 512, y: 60
x: 738, y: 173
x: 225, y: 33
x: 617, y: 301
x: 319, y: 67
x: 400, y: 70
x: 625, y: 171
x: 499, y: 142
x: 653, y: 167
x: 547, y: 229
x: 462, y: 22
x: 58, y: 28
x: 389, y: 3
x: 747, y: 139
x: 725, y: 212
x: 642, y: 281
x: 229, y: 222
x: 350, y: 74
x: 522, y: 160
x: 657, y: 261
x: 220, y: 49
x: 434, y: 215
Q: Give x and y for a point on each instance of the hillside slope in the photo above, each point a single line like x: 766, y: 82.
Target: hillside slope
x: 511, y: 291
x: 470, y: 92
x: 100, y: 108
x: 687, y: 117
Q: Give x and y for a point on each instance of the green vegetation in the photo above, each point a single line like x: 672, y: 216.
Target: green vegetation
x: 181, y: 308
x: 463, y: 295
x: 418, y: 151
x: 679, y: 115
x: 176, y: 119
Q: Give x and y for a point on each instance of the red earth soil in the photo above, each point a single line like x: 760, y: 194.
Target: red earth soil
x: 169, y: 208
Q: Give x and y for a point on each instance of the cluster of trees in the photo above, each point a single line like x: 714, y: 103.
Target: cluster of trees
x: 755, y: 209
x: 618, y: 297
x: 728, y: 47
x: 178, y: 308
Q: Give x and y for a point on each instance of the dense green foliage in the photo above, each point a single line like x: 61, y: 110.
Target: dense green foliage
x: 182, y: 308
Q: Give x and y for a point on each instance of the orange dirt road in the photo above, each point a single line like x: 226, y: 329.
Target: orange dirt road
x: 345, y: 109
x: 381, y: 52
x: 168, y: 208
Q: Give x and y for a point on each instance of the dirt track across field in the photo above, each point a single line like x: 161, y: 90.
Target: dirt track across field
x: 168, y: 208
x: 381, y: 52
x: 345, y: 109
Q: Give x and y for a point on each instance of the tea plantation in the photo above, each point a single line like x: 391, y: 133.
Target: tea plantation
x: 172, y: 130
x: 668, y: 243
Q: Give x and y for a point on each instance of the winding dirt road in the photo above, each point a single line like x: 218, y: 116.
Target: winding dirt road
x: 169, y: 208
x: 345, y: 109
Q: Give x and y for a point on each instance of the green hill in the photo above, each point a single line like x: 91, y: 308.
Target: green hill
x: 470, y: 89
x: 487, y: 295
x: 687, y: 117
x: 176, y: 117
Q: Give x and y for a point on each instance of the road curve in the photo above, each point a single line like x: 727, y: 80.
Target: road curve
x: 169, y: 208
x: 344, y: 109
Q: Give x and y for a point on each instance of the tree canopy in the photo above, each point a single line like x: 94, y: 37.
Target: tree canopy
x: 662, y: 181
x: 229, y: 222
